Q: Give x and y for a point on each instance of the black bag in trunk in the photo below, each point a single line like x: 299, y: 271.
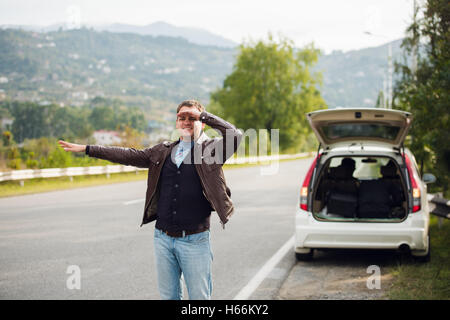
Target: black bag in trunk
x: 374, y: 200
x: 342, y: 203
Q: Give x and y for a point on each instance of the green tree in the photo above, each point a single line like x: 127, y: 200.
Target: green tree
x: 40, y: 147
x: 271, y: 87
x: 30, y: 120
x: 102, y: 117
x: 130, y: 117
x: 14, y: 160
x: 31, y: 162
x: 58, y: 158
x: 117, y: 117
x: 425, y: 90
x: 33, y: 121
x: 7, y: 138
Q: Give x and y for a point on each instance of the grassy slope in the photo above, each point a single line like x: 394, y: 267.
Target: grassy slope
x: 425, y: 281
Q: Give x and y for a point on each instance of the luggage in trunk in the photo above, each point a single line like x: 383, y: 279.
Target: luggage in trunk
x: 367, y: 196
x: 374, y: 200
x: 342, y: 203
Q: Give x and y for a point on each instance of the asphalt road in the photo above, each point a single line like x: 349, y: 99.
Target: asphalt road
x: 97, y: 229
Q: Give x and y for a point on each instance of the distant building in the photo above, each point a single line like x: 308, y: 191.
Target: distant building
x: 105, y: 137
x: 6, y: 123
x: 80, y: 95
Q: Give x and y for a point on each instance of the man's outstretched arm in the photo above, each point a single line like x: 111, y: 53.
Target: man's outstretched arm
x: 125, y: 156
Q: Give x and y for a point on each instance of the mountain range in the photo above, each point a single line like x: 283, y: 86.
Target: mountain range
x: 159, y: 28
x: 156, y: 66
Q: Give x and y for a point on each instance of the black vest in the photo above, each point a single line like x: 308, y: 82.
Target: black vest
x: 181, y: 204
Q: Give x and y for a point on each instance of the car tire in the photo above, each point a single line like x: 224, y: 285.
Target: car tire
x: 424, y: 258
x: 305, y: 256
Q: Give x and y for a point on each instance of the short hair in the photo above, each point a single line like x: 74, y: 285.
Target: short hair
x: 191, y: 103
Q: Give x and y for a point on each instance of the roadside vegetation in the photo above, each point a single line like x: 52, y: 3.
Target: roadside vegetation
x: 272, y: 86
x: 425, y: 281
x: 424, y: 90
x: 30, y: 142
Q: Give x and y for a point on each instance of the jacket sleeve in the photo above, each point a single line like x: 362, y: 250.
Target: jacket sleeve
x: 231, y: 137
x: 125, y: 156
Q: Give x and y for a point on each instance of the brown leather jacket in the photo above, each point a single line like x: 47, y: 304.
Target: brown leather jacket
x: 209, y: 156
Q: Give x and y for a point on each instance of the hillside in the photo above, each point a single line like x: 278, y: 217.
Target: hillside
x: 159, y: 28
x: 154, y: 72
x: 70, y: 67
x: 354, y: 78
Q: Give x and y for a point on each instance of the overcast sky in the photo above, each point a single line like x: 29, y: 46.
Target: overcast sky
x: 331, y: 24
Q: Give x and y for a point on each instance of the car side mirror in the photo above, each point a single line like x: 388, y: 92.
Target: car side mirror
x: 429, y: 178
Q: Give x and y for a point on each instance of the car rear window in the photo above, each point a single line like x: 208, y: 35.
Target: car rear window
x: 366, y: 168
x: 364, y: 130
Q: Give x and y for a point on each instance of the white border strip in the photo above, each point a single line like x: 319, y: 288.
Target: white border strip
x: 254, y: 283
x: 133, y: 201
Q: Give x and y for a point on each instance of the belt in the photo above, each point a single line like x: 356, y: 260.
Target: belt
x: 183, y: 233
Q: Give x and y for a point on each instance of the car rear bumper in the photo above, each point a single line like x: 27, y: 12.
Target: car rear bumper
x: 312, y: 233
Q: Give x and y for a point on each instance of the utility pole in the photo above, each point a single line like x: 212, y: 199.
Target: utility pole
x: 415, y: 42
x: 390, y: 71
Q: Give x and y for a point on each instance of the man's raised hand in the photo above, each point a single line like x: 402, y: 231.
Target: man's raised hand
x: 67, y: 146
x: 189, y: 113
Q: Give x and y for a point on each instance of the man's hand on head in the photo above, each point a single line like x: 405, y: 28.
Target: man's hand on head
x: 192, y: 113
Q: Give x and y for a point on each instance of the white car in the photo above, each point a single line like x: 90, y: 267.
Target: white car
x: 363, y: 189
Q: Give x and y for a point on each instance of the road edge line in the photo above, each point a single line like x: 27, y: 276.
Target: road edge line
x: 259, y: 277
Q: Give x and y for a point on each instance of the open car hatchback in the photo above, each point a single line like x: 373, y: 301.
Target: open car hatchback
x: 363, y: 189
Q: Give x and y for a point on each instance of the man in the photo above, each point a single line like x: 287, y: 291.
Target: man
x: 182, y: 190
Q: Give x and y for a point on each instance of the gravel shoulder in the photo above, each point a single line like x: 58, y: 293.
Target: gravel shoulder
x: 340, y: 275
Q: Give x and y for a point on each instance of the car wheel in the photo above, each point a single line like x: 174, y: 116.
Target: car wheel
x: 305, y: 256
x: 427, y: 256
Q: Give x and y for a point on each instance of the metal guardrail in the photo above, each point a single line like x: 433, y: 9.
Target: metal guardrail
x: 439, y: 206
x: 22, y: 175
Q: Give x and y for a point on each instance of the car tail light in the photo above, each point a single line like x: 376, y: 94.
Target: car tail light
x: 305, y: 186
x: 415, y: 187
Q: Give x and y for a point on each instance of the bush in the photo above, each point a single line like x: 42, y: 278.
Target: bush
x: 15, y: 164
x: 58, y: 158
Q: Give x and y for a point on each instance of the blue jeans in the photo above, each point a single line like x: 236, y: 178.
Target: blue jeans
x: 191, y: 256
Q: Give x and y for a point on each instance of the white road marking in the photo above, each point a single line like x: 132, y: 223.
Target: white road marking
x: 254, y: 283
x: 133, y: 201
